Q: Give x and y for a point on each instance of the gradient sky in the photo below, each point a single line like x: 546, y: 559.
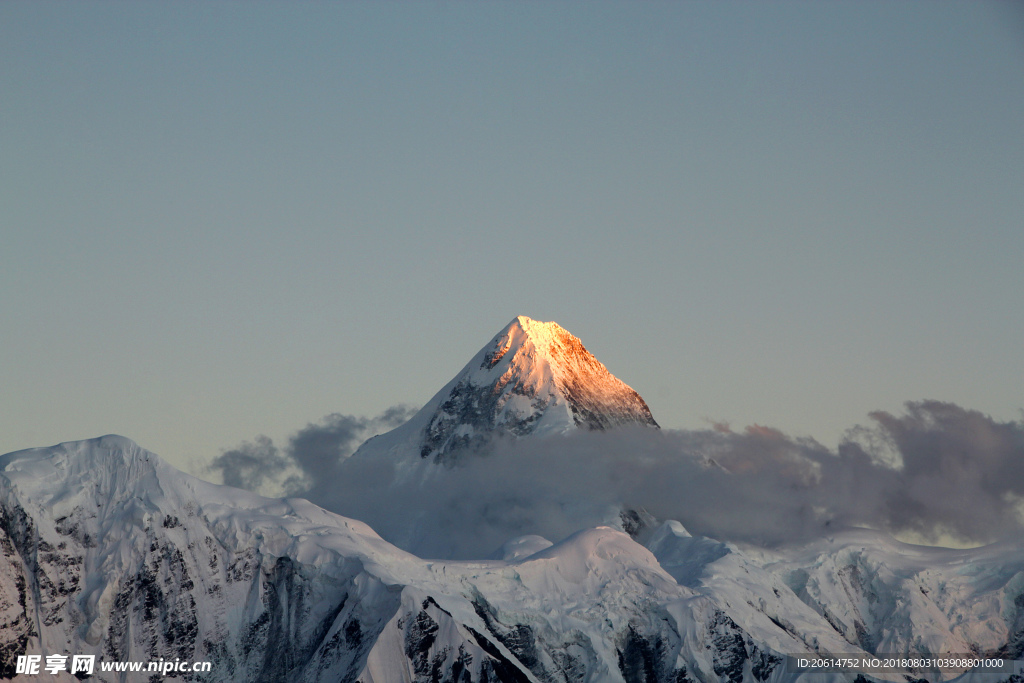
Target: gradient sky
x: 219, y: 220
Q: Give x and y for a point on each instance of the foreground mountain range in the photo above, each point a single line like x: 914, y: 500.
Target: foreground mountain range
x: 107, y: 550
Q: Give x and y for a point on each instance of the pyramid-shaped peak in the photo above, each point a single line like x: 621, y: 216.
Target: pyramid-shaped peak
x: 532, y: 378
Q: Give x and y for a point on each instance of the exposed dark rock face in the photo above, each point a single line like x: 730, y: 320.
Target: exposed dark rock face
x: 1014, y: 647
x: 763, y: 663
x: 435, y: 660
x: 469, y: 420
x: 730, y: 652
x: 16, y: 623
x: 638, y: 524
x: 640, y: 658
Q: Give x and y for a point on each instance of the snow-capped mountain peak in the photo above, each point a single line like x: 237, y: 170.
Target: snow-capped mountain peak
x: 532, y: 378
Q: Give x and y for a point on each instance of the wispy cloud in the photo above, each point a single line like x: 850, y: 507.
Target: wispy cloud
x: 250, y: 464
x: 308, y: 465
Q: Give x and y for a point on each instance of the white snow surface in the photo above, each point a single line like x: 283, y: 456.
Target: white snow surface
x: 895, y: 597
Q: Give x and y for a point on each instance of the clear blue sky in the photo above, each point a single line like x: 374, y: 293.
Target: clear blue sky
x: 225, y: 219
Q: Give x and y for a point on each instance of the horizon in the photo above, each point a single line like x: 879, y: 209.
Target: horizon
x: 228, y: 221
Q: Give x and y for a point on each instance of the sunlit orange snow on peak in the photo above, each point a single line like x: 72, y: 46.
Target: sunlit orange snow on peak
x: 535, y: 350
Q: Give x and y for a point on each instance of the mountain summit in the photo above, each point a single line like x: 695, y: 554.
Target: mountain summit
x: 531, y: 378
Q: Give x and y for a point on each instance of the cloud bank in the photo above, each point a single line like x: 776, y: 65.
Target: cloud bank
x: 936, y: 471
